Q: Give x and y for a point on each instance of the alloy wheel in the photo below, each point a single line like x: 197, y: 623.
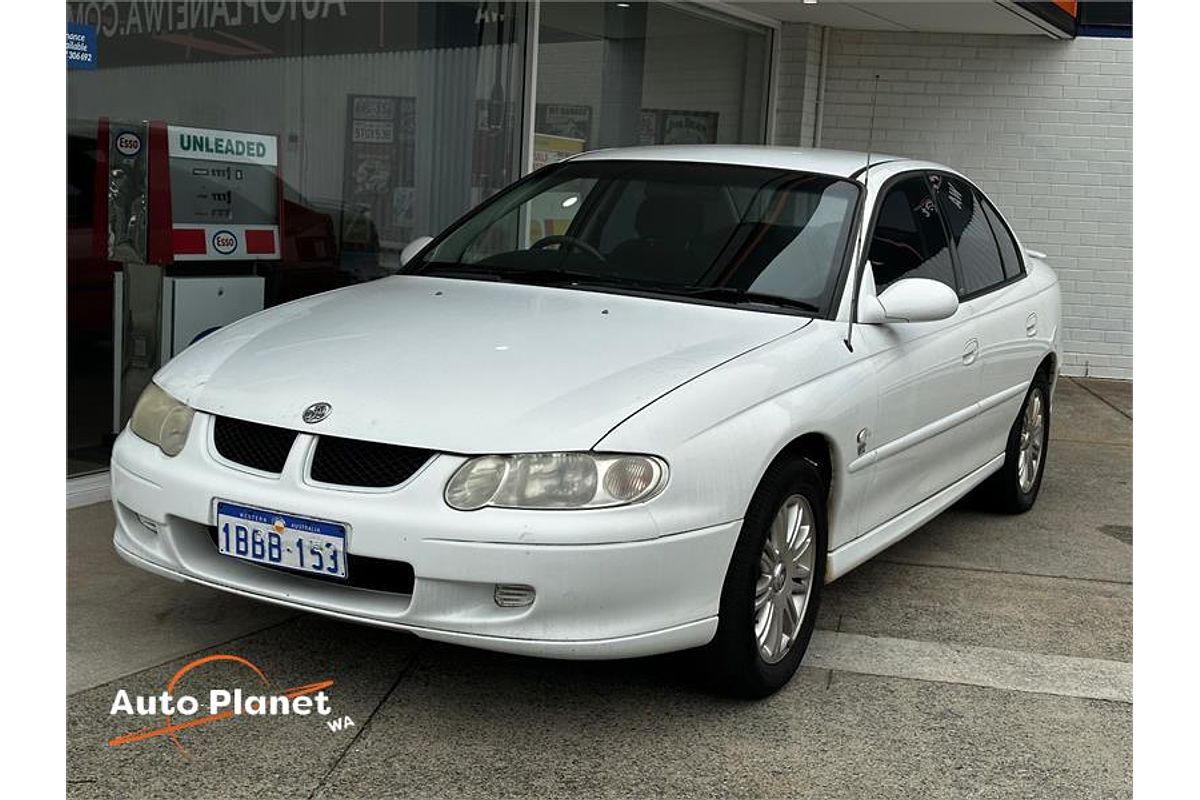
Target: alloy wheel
x: 784, y: 583
x: 1033, y: 435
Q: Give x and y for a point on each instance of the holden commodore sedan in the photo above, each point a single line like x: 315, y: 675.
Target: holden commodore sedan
x: 643, y: 400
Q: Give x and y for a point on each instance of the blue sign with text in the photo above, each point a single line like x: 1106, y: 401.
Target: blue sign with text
x: 81, y: 46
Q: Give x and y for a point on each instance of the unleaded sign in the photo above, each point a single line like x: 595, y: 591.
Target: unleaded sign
x: 224, y: 194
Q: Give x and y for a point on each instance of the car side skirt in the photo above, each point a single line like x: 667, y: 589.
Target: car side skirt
x: 874, y: 542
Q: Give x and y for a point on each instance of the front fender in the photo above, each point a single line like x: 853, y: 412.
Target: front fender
x: 720, y: 432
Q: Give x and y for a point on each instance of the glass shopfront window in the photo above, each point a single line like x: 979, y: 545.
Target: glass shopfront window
x: 622, y: 74
x: 380, y: 121
x: 389, y: 121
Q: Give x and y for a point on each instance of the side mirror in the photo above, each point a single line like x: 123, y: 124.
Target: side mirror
x: 413, y: 247
x: 917, y: 300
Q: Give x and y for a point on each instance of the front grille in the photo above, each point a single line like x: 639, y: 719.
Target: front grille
x: 362, y: 572
x: 251, y: 444
x: 351, y: 462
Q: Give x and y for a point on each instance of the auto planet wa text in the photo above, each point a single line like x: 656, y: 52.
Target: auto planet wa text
x: 220, y: 700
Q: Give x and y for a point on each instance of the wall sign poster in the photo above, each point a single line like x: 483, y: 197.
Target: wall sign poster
x: 571, y: 121
x: 378, y: 183
x: 648, y: 127
x: 689, y: 127
x: 664, y: 126
x: 81, y: 46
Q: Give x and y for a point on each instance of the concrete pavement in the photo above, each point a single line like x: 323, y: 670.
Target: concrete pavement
x: 984, y: 656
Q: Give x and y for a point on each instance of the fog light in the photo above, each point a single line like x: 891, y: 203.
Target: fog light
x: 513, y: 595
x: 148, y: 523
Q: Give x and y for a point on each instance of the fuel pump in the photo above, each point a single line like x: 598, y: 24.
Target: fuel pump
x: 191, y: 214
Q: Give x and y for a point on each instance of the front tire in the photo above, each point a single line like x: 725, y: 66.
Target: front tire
x: 773, y: 585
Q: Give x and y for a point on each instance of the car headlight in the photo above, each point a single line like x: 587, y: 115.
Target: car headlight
x: 555, y: 480
x: 161, y: 419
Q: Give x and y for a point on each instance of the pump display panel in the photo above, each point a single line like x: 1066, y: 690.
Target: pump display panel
x: 224, y: 194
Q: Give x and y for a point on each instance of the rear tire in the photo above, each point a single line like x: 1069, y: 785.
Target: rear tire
x: 1014, y: 489
x: 773, y: 585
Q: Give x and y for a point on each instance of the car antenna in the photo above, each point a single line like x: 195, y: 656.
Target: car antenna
x: 866, y: 175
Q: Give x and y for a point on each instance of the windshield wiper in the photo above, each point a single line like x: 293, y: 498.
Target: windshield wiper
x: 728, y: 294
x: 556, y: 277
x: 504, y: 273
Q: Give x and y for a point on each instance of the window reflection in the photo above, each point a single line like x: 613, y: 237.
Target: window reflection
x: 392, y: 119
x: 615, y: 75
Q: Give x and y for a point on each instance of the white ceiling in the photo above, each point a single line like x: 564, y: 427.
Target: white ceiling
x: 947, y: 16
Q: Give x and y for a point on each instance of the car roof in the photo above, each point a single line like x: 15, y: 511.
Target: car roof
x: 842, y: 163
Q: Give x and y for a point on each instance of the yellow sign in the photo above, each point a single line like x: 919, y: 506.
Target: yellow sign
x: 547, y: 216
x: 548, y: 149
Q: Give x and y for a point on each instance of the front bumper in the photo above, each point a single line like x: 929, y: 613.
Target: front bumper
x: 638, y: 593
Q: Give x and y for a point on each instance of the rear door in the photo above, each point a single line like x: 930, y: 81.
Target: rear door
x: 991, y: 282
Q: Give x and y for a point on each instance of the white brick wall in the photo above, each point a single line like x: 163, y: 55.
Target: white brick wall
x: 1044, y: 127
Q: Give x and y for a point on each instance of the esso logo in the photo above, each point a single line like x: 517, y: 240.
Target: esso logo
x: 128, y: 144
x: 224, y: 242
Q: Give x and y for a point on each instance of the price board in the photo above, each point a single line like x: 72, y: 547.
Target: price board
x: 224, y: 194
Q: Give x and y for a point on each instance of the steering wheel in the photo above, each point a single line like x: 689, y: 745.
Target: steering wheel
x: 568, y: 242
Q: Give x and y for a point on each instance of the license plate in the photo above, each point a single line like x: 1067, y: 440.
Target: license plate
x: 281, y: 540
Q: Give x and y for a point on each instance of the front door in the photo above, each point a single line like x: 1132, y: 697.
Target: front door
x: 927, y: 373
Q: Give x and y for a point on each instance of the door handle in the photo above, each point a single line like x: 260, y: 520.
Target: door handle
x: 970, y: 352
x: 1031, y: 325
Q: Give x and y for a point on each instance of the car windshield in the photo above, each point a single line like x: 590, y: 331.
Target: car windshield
x: 749, y: 236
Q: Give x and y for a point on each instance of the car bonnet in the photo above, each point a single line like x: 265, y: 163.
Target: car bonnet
x: 460, y: 365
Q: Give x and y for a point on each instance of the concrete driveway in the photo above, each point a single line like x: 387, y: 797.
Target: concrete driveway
x: 985, y: 656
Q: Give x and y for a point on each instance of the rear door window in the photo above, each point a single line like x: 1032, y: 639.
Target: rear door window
x: 1008, y: 248
x: 978, y: 253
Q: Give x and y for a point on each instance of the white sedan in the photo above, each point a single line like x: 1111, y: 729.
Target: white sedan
x: 642, y: 400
